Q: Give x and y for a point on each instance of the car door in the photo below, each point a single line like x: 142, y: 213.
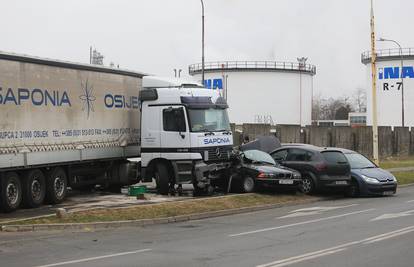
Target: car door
x: 298, y: 159
x: 337, y: 164
x: 175, y: 134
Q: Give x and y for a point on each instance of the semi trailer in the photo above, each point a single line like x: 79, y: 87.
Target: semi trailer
x: 66, y: 124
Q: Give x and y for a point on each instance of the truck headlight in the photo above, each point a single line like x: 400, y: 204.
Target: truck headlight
x: 370, y: 180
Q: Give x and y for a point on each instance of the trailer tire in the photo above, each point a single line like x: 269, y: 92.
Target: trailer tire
x: 162, y: 179
x: 56, y: 185
x: 10, y: 192
x: 33, y: 188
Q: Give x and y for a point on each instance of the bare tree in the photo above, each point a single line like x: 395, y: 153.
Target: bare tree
x: 360, y: 100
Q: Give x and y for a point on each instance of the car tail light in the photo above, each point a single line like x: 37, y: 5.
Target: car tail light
x: 321, y: 167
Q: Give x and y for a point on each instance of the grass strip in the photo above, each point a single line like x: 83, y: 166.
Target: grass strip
x: 397, y: 163
x: 170, y: 209
x: 404, y: 177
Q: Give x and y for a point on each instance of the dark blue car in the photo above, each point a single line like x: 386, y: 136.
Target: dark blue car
x: 368, y: 178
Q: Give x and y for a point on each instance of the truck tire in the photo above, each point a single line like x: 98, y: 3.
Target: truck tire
x: 33, y: 188
x: 56, y: 185
x: 162, y: 179
x: 10, y: 192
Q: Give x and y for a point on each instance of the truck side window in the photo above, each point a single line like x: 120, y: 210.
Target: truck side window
x: 174, y: 120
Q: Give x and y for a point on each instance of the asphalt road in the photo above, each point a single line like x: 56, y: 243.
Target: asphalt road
x: 346, y: 232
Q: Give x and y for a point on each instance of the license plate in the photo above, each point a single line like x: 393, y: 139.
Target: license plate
x: 285, y: 181
x: 388, y: 193
x: 341, y: 183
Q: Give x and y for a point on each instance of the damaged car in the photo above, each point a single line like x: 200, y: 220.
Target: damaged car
x: 254, y: 168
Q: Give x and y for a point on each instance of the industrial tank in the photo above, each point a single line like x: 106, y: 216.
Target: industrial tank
x: 262, y: 91
x: 392, y: 80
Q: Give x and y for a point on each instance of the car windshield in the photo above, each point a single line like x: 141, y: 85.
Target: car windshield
x: 358, y: 161
x: 257, y: 156
x: 209, y: 120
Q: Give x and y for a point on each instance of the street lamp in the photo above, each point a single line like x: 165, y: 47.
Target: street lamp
x: 202, y: 41
x: 402, y: 76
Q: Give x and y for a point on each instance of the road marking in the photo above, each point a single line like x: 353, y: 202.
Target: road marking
x: 336, y: 249
x: 301, y: 258
x: 300, y: 223
x: 403, y: 232
x: 313, y: 211
x: 95, y: 258
x: 393, y: 215
x: 410, y: 201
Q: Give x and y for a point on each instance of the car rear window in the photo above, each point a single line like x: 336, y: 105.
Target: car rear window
x: 334, y: 157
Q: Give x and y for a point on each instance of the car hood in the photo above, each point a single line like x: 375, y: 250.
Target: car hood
x: 378, y: 173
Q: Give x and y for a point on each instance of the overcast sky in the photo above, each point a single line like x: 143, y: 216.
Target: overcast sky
x: 156, y: 36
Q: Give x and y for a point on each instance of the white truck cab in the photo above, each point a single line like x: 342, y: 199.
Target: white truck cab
x: 185, y: 134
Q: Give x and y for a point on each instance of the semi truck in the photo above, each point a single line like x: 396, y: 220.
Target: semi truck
x: 65, y: 124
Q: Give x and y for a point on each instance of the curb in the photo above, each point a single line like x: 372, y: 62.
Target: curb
x: 146, y: 222
x: 405, y: 185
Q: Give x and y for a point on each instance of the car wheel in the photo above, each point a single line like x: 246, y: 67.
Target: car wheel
x: 353, y: 190
x: 247, y: 184
x: 308, y: 186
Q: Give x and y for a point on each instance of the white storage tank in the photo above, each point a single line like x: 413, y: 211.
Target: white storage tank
x: 262, y: 91
x: 390, y: 81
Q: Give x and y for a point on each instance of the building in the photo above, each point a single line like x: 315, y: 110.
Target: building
x: 262, y: 91
x: 391, y: 79
x: 355, y: 119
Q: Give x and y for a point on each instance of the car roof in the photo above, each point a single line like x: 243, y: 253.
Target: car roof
x: 313, y: 148
x: 344, y: 150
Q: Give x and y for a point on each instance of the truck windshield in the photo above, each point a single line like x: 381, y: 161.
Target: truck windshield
x: 209, y: 120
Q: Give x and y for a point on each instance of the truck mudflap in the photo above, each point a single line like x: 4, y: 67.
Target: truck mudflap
x: 204, y: 173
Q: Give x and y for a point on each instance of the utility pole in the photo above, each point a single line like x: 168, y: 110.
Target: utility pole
x: 202, y: 41
x: 374, y: 89
x: 402, y: 77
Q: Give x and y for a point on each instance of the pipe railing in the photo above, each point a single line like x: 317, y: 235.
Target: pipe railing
x: 392, y: 52
x: 270, y: 65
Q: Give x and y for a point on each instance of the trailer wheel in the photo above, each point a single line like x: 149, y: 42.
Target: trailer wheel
x: 162, y: 179
x: 56, y: 185
x: 10, y: 192
x: 34, y: 188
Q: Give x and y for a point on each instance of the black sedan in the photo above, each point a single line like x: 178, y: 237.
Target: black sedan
x: 253, y: 168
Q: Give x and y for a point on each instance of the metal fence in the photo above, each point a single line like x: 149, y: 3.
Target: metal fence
x: 268, y: 65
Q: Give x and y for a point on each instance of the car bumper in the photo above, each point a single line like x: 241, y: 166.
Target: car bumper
x: 379, y: 190
x: 335, y: 182
x: 279, y: 182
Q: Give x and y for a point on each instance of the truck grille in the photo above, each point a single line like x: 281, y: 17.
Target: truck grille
x: 221, y: 153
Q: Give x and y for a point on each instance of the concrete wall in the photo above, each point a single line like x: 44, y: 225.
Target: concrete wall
x: 392, y: 142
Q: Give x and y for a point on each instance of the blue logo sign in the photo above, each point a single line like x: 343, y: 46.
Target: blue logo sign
x: 87, y: 98
x: 213, y: 84
x: 390, y: 73
x: 217, y: 141
x: 37, y: 97
x: 121, y: 101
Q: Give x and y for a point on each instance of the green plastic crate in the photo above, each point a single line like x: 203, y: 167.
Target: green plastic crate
x: 135, y: 190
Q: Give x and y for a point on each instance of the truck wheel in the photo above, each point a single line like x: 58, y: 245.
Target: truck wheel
x: 56, y: 185
x: 308, y: 186
x: 162, y: 179
x: 33, y: 188
x: 247, y: 184
x: 10, y: 192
